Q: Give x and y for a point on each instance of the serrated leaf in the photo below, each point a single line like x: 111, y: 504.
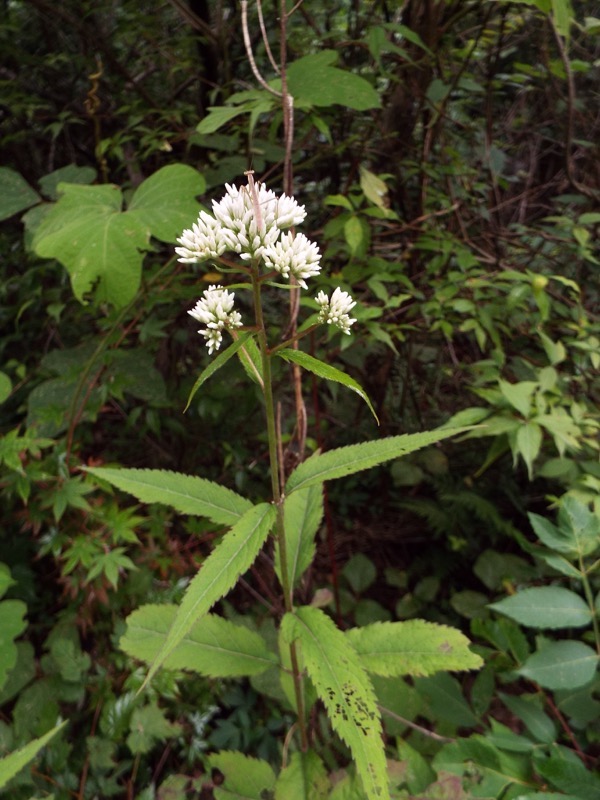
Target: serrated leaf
x: 98, y: 244
x: 185, y: 493
x: 213, y: 646
x: 246, y: 778
x: 149, y: 725
x: 545, y: 607
x: 313, y: 79
x: 217, y: 363
x: 15, y: 193
x: 304, y: 778
x: 358, y: 457
x: 303, y: 512
x: 346, y: 691
x: 561, y: 665
x: 13, y: 763
x: 326, y: 371
x: 166, y: 201
x: 233, y: 556
x: 414, y: 647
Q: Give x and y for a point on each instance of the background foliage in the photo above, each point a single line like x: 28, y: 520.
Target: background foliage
x: 447, y: 153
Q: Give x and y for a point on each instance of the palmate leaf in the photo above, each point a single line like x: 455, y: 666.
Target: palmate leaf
x: 358, y: 457
x: 213, y: 646
x: 414, y: 647
x: 346, y: 691
x: 98, y: 244
x: 231, y: 558
x: 185, y: 493
x: 327, y: 372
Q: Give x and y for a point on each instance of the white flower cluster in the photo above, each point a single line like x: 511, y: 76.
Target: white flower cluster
x: 251, y: 221
x: 334, y: 311
x: 215, y: 310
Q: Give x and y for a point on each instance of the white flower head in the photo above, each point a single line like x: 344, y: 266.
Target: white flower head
x: 215, y: 310
x: 295, y: 255
x: 334, y: 311
x: 203, y: 240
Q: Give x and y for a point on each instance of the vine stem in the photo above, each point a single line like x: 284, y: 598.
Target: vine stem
x: 278, y: 495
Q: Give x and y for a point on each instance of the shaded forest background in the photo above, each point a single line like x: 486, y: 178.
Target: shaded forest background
x: 447, y: 152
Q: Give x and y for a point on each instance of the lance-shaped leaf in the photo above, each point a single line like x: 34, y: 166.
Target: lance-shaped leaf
x: 233, y: 556
x: 327, y: 372
x: 213, y: 646
x: 185, y: 493
x: 302, y: 513
x: 166, y: 201
x: 13, y: 763
x: 98, y: 244
x: 346, y: 691
x: 217, y: 363
x: 413, y: 648
x: 358, y: 457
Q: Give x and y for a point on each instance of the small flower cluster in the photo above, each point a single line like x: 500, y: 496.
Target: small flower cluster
x: 251, y: 221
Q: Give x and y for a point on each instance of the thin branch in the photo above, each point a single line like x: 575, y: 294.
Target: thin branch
x: 250, y: 54
x: 263, y: 30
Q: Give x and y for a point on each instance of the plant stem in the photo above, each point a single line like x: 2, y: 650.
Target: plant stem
x: 278, y: 496
x: 589, y: 596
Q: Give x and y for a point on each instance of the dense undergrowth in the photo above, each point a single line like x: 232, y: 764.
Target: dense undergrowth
x: 447, y: 156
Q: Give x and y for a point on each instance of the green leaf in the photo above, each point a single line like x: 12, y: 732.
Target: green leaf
x: 15, y: 193
x: 69, y: 174
x: 445, y: 698
x: 12, y: 624
x: 313, y: 79
x: 414, y: 647
x: 166, y: 201
x: 304, y: 778
x: 528, y: 443
x: 13, y: 763
x: 148, y: 726
x: 5, y: 387
x: 231, y: 558
x: 354, y: 234
x: 562, y: 12
x: 302, y: 514
x: 213, y: 646
x: 246, y: 778
x: 561, y: 665
x: 375, y: 190
x: 217, y: 363
x: 326, y: 371
x: 519, y: 395
x: 346, y: 691
x: 537, y: 722
x: 185, y: 493
x: 98, y: 244
x: 358, y: 457
x: 218, y: 116
x: 545, y: 607
x: 565, y: 771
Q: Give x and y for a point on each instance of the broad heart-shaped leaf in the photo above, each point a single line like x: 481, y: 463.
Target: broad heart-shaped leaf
x: 13, y: 763
x: 414, y: 647
x: 213, y: 646
x: 358, y: 457
x: 98, y: 244
x: 545, y: 607
x: 561, y: 665
x: 346, y: 691
x: 185, y: 493
x: 15, y: 193
x: 302, y: 513
x: 231, y: 558
x: 326, y: 371
x: 217, y: 363
x: 313, y: 79
x: 246, y: 778
x: 166, y: 201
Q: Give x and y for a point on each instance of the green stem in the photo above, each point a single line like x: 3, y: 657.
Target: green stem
x: 278, y: 496
x: 589, y: 596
